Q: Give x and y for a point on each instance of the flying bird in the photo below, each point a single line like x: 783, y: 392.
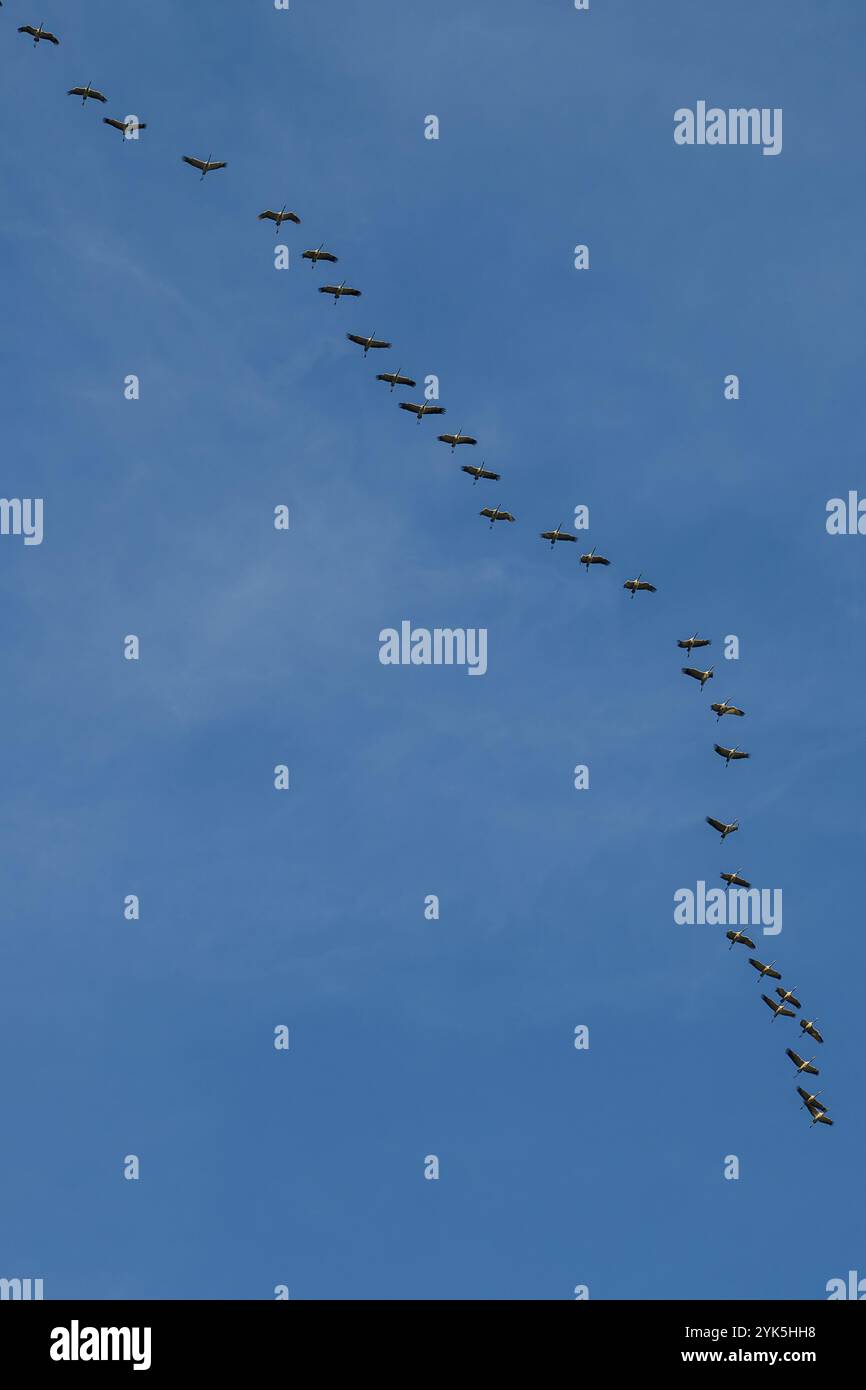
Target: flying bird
x: 819, y: 1116
x: 764, y: 969
x: 278, y: 218
x: 419, y: 411
x: 86, y: 93
x: 638, y: 585
x: 800, y: 1064
x: 475, y: 472
x: 127, y: 128
x: 367, y: 343
x: 318, y: 255
x: 696, y: 675
x: 689, y: 643
x: 206, y: 165
x: 777, y: 1008
x: 557, y: 535
x: 808, y: 1026
x: 395, y: 379
x: 734, y: 878
x: 724, y: 828
x: 455, y: 439
x: 730, y: 754
x: 724, y: 708
x: 339, y: 291
x: 787, y: 996
x: 738, y: 936
x: 590, y: 558
x: 810, y: 1099
x: 495, y: 514
x: 38, y: 34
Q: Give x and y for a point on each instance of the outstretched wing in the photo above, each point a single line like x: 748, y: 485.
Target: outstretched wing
x: 691, y: 671
x: 196, y: 163
x: 716, y: 824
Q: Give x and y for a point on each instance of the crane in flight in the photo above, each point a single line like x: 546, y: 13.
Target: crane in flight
x: 787, y: 996
x: 800, y: 1064
x: 475, y: 472
x: 765, y: 969
x: 368, y: 343
x: 724, y: 828
x: 205, y: 165
x: 689, y: 643
x: 639, y: 585
x: 38, y: 34
x: 340, y: 291
x: 777, y: 1008
x: 730, y: 754
x: 455, y: 439
x: 723, y: 708
x: 396, y: 379
x: 557, y: 535
x: 278, y: 218
x: 734, y: 879
x: 590, y: 558
x: 129, y: 128
x: 808, y: 1026
x: 736, y: 937
x: 495, y: 514
x: 419, y: 411
x: 819, y: 1116
x: 318, y: 255
x: 88, y: 93
x: 810, y: 1098
x: 696, y: 675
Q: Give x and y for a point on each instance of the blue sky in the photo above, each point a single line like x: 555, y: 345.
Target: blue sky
x: 605, y: 388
